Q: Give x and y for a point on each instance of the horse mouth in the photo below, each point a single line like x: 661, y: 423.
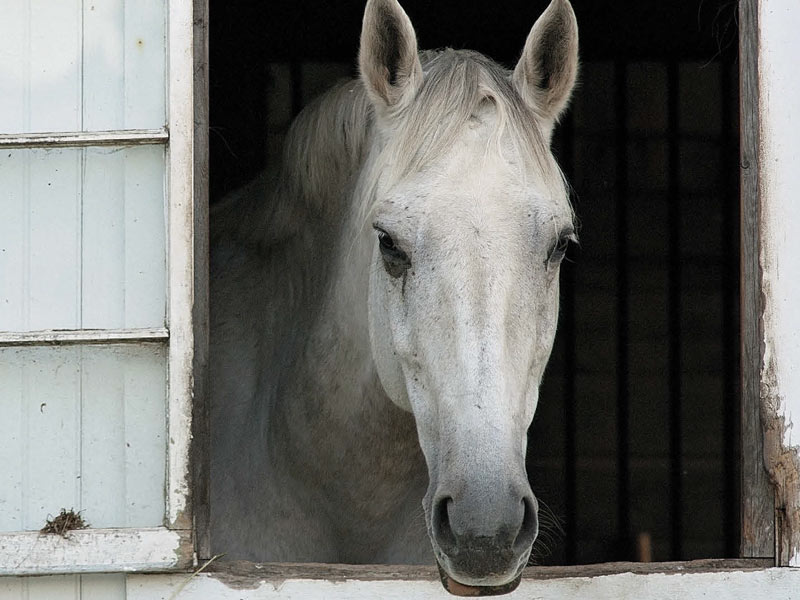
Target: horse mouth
x: 460, y: 589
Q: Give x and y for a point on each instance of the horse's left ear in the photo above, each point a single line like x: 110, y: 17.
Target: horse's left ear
x: 546, y: 71
x: 388, y: 60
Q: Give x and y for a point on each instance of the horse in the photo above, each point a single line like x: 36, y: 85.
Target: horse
x: 383, y: 308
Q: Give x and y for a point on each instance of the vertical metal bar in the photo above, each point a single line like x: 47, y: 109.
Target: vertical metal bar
x: 623, y: 400
x: 730, y: 333
x: 567, y: 326
x: 674, y: 313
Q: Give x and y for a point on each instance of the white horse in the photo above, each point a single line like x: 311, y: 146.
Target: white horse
x: 382, y: 313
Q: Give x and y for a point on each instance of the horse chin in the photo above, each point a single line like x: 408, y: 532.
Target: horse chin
x: 474, y: 589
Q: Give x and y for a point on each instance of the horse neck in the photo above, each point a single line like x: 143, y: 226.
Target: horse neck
x: 339, y: 420
x: 335, y: 375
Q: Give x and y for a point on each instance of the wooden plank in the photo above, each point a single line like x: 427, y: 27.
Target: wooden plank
x: 54, y: 69
x: 144, y: 61
x: 144, y: 217
x: 180, y: 237
x: 103, y: 30
x: 103, y: 423
x: 52, y: 203
x: 123, y: 435
x: 200, y: 427
x: 757, y: 514
x: 107, y: 586
x: 14, y: 436
x: 779, y: 259
x: 14, y: 232
x: 82, y: 336
x: 145, y: 404
x: 83, y: 238
x: 105, y: 243
x: 243, y: 572
x: 14, y: 47
x: 126, y: 137
x: 123, y: 260
x: 68, y: 587
x: 95, y: 551
x: 52, y: 416
x: 86, y: 431
x: 60, y: 587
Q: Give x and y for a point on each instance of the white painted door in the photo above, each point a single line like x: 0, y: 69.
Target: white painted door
x: 96, y: 285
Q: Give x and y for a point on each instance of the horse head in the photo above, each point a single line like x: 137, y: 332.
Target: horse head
x: 471, y: 220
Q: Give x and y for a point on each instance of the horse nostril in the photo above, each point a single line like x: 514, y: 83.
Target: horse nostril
x: 441, y: 524
x: 530, y: 525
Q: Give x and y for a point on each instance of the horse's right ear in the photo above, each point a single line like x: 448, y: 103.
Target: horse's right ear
x: 388, y: 60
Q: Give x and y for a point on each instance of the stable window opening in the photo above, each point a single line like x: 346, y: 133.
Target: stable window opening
x: 635, y: 447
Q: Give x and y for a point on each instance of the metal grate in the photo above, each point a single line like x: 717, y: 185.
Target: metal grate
x: 631, y: 500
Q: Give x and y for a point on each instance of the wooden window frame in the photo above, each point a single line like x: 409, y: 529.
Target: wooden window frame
x: 757, y: 521
x: 757, y: 549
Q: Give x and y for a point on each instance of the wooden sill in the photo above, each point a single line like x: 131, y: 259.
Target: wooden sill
x: 237, y: 573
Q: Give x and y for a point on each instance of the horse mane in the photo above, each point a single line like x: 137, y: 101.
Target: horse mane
x: 331, y: 140
x: 323, y: 149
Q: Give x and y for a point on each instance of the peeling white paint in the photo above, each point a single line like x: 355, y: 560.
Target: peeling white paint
x: 93, y: 551
x: 770, y: 584
x: 779, y: 85
x: 181, y: 258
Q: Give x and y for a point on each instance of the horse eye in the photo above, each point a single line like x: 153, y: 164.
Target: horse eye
x: 386, y: 242
x: 559, y: 249
x: 395, y: 260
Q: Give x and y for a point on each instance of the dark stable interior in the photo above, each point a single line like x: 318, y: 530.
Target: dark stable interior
x: 633, y: 452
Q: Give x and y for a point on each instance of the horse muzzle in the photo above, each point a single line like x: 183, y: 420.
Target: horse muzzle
x: 482, y: 552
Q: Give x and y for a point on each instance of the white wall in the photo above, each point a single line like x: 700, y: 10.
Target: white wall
x: 769, y: 584
x: 779, y: 83
x: 772, y: 584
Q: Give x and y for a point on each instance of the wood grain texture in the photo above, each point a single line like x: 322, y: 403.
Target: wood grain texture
x: 757, y: 515
x: 82, y: 428
x: 246, y: 573
x: 200, y: 432
x: 779, y: 259
x: 181, y: 249
x: 127, y: 137
x: 95, y: 551
x: 82, y: 336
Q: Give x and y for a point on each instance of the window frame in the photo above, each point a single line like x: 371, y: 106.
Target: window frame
x: 171, y: 546
x: 758, y: 518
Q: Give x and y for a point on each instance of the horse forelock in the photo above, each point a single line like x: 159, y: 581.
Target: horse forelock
x: 456, y: 85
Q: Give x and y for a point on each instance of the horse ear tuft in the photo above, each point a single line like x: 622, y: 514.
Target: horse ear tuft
x: 546, y: 72
x: 388, y: 60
